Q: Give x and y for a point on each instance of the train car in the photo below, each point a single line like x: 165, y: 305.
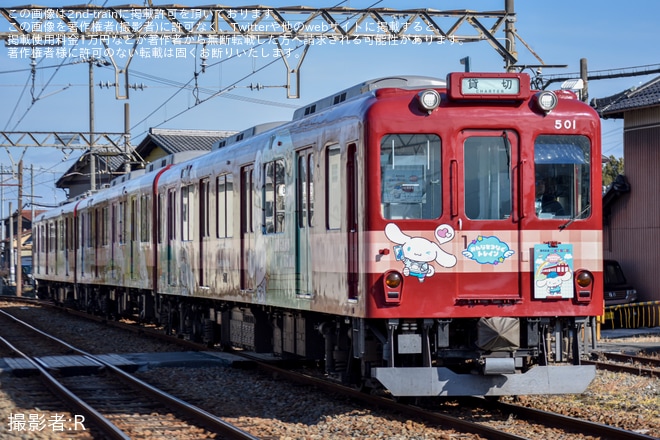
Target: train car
x: 429, y: 237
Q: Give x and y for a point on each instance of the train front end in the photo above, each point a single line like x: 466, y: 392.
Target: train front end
x: 482, y: 239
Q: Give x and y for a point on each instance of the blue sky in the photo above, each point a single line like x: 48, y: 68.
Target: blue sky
x: 561, y: 32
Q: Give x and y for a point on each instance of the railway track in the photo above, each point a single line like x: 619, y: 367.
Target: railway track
x: 117, y: 404
x: 571, y: 426
x: 627, y: 363
x: 491, y: 426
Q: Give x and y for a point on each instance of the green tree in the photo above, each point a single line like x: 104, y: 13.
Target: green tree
x: 612, y: 168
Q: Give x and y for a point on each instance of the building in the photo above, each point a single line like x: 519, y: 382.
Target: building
x: 25, y: 236
x: 157, y: 143
x: 631, y: 208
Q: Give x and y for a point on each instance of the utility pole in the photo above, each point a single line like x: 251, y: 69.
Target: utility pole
x: 510, y: 33
x: 19, y: 232
x: 2, y: 216
x: 584, y: 74
x: 127, y: 138
x: 92, y: 156
x: 13, y: 276
x: 11, y: 245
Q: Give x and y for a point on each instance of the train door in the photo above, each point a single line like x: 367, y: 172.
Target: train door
x: 486, y: 192
x: 305, y: 213
x: 247, y: 229
x: 353, y: 268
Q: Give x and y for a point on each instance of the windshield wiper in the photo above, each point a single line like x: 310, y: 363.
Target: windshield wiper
x: 568, y: 223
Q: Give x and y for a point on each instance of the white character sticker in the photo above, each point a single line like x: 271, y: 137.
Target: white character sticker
x: 417, y: 253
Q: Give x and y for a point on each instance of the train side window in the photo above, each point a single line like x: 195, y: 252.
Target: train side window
x: 305, y: 188
x: 171, y: 214
x: 274, y: 197
x: 121, y: 222
x: 159, y: 212
x: 487, y: 177
x: 310, y: 188
x: 145, y: 218
x: 114, y: 226
x: 247, y: 220
x: 60, y: 240
x: 72, y: 233
x: 224, y: 206
x: 105, y: 221
x: 333, y: 187
x: 562, y: 167
x: 187, y: 212
x: 410, y: 168
x: 204, y: 200
x: 83, y: 232
x: 98, y: 225
x: 92, y: 228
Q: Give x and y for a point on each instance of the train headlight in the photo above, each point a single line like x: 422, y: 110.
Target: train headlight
x: 546, y: 100
x: 392, y: 286
x: 429, y: 100
x: 584, y: 286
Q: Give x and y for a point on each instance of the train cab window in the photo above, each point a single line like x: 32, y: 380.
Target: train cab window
x: 410, y: 176
x: 487, y: 177
x: 562, y: 176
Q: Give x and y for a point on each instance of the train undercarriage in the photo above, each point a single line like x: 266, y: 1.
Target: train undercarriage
x: 408, y: 357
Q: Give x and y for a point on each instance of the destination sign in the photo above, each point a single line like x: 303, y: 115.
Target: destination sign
x: 481, y: 85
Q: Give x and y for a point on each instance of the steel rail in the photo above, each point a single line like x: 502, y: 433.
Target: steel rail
x: 211, y: 421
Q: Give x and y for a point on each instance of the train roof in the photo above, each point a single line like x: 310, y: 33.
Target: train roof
x: 248, y: 133
x: 399, y: 82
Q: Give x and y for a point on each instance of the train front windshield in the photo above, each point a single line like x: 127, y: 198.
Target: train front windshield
x: 563, y: 178
x: 410, y: 173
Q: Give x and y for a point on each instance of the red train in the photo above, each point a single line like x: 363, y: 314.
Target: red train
x: 431, y: 237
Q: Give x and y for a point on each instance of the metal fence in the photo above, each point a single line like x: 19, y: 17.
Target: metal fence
x: 634, y: 315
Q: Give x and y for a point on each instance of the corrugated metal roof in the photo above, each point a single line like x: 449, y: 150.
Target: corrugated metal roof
x: 175, y: 141
x: 171, y: 141
x: 644, y: 96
